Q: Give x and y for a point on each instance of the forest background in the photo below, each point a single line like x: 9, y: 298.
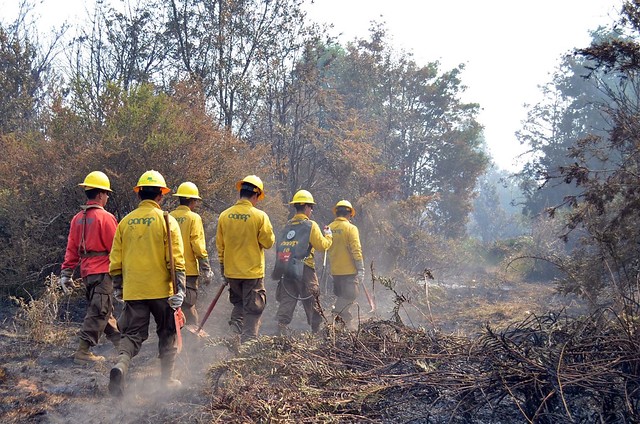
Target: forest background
x: 212, y: 91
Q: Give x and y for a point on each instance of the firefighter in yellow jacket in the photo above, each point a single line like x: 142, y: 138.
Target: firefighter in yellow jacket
x: 140, y: 268
x: 345, y: 257
x: 242, y: 234
x: 304, y: 237
x: 195, y: 247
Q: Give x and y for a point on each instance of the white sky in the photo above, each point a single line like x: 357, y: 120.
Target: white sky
x: 509, y: 47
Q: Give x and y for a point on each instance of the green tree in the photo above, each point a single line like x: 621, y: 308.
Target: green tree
x: 572, y: 108
x: 604, y: 267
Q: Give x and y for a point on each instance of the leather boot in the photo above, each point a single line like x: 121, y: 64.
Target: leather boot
x: 166, y: 377
x: 84, y: 356
x: 118, y: 374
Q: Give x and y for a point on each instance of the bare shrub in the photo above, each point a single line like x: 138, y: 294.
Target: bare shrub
x: 39, y: 318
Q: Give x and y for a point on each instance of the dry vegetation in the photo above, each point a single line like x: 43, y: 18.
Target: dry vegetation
x: 536, y: 367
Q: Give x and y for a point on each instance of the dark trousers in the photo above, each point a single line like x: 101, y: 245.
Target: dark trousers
x: 99, y: 317
x: 134, y: 326
x: 249, y: 299
x: 345, y: 287
x: 190, y: 300
x: 306, y: 291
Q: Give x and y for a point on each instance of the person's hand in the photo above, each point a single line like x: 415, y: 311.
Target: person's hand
x: 176, y: 300
x: 65, y: 284
x: 117, y: 294
x: 222, y: 277
x: 327, y: 231
x: 360, y: 276
x: 207, y: 277
x: 206, y: 274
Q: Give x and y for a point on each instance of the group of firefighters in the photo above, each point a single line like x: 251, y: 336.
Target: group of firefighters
x: 133, y: 260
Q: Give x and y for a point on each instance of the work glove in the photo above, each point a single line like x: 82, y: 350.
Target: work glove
x: 175, y: 301
x: 206, y: 274
x: 117, y: 294
x: 327, y: 231
x: 65, y: 283
x: 222, y: 277
x: 117, y: 287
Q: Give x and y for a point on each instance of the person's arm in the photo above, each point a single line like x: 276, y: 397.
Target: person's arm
x: 266, y: 237
x: 115, y: 257
x: 356, y: 252
x: 220, y: 246
x: 318, y: 240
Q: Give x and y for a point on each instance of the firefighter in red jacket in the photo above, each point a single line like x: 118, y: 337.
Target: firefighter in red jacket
x: 89, y: 243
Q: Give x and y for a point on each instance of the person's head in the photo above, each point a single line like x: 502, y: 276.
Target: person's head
x: 303, y: 202
x: 251, y: 188
x: 344, y: 209
x: 188, y: 194
x: 151, y: 186
x: 96, y: 187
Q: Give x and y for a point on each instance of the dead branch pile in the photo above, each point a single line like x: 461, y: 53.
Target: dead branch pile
x: 548, y: 369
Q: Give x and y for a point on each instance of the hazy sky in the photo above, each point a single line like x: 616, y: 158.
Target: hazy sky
x: 509, y: 47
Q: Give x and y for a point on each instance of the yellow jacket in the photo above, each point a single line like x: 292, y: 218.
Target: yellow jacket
x: 242, y: 234
x: 345, y: 253
x: 316, y: 240
x: 193, y: 239
x: 139, y: 253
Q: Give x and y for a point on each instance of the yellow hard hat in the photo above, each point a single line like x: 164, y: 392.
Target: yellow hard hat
x: 188, y: 190
x: 302, y: 196
x: 254, y: 181
x: 152, y: 179
x: 96, y: 179
x: 346, y: 204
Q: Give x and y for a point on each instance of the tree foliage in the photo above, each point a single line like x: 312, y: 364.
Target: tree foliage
x: 604, y: 169
x: 212, y: 91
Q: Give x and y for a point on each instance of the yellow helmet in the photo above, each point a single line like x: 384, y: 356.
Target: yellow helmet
x: 188, y: 190
x: 346, y: 204
x: 302, y: 196
x: 96, y: 179
x: 254, y: 181
x: 152, y: 179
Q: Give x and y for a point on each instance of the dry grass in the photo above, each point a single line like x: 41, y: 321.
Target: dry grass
x: 547, y: 369
x: 39, y: 319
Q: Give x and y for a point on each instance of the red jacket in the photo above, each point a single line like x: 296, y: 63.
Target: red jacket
x: 93, y: 254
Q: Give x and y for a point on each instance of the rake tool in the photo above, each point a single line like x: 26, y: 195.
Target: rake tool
x: 198, y: 331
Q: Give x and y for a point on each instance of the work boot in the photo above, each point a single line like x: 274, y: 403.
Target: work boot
x: 166, y: 376
x: 118, y: 374
x: 84, y: 356
x: 235, y: 327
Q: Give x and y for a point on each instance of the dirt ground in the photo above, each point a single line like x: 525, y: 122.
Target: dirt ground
x: 39, y: 383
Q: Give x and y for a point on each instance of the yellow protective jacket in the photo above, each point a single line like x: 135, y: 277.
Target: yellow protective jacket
x: 242, y: 234
x: 345, y: 253
x: 140, y: 254
x: 316, y: 239
x: 193, y: 239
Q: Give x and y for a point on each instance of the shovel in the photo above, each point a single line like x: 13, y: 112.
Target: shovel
x: 198, y: 331
x: 178, y: 315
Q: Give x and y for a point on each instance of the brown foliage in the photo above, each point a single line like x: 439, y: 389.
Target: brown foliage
x: 140, y: 130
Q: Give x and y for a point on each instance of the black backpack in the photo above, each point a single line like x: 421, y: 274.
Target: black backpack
x: 291, y: 249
